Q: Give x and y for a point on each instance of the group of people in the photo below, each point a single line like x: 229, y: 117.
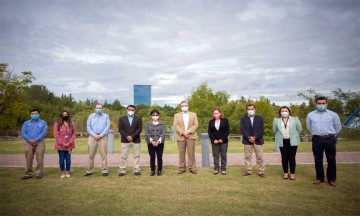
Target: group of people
x: 323, y: 124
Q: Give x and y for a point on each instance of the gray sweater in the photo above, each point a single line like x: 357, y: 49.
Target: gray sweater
x: 155, y: 131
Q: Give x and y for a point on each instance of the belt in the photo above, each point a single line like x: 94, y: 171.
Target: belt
x: 324, y: 137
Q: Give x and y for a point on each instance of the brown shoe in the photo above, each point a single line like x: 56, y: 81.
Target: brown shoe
x: 181, y: 171
x: 26, y: 177
x: 262, y: 175
x: 193, y: 171
x: 332, y: 183
x: 246, y: 174
x: 318, y: 181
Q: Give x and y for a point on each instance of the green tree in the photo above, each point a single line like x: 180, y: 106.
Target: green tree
x: 116, y: 105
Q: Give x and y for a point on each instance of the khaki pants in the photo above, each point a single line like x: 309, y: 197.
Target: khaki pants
x: 188, y: 144
x: 248, y: 150
x: 39, y: 150
x: 125, y: 147
x: 92, y: 148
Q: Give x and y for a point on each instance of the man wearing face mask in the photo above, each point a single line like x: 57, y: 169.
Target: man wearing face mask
x: 130, y: 127
x: 185, y: 125
x: 33, y: 132
x: 98, y: 125
x: 324, y: 125
x: 252, y: 129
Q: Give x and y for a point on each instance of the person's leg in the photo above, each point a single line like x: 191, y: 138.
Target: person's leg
x: 190, y: 143
x: 284, y: 160
x: 159, y: 155
x: 182, y: 150
x: 92, y: 147
x: 29, y: 157
x: 40, y: 152
x: 216, y: 151
x: 136, y: 153
x: 223, y: 153
x: 61, y: 161
x: 151, y: 150
x: 318, y: 151
x: 292, y: 159
x: 68, y: 161
x: 330, y: 152
x: 248, y: 150
x: 259, y: 159
x: 123, y: 160
x: 103, y: 149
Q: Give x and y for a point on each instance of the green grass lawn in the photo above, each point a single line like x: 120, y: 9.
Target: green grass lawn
x: 173, y: 194
x: 235, y: 146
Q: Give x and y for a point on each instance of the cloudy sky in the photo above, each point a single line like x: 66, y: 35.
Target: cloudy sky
x: 98, y: 49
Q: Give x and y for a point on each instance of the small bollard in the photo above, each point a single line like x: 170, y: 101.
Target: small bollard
x: 205, y: 150
x: 111, y: 142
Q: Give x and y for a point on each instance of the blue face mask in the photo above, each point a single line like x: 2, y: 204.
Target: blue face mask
x: 321, y: 107
x: 98, y: 111
x: 34, y: 117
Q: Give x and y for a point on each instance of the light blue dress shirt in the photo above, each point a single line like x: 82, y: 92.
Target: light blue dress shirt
x: 98, y: 124
x: 130, y: 119
x: 323, y: 123
x: 35, y: 130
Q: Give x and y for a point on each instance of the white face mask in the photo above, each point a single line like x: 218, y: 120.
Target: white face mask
x: 155, y: 117
x: 284, y: 114
x: 185, y: 108
x: 130, y: 113
x: 251, y: 112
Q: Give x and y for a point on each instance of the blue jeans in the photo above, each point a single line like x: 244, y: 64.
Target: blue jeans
x: 64, y: 156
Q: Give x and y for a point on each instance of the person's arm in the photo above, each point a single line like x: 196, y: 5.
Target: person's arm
x: 88, y: 127
x: 147, y: 133
x: 298, y: 126
x: 193, y: 128
x: 259, y: 133
x: 107, y: 127
x: 211, y: 135
x: 43, y: 133
x: 275, y: 128
x: 226, y: 130
x: 337, y: 123
x: 73, y: 135
x: 177, y: 127
x: 121, y: 128
x: 24, y: 132
x: 163, y: 133
x: 243, y: 129
x: 138, y: 128
x: 57, y: 137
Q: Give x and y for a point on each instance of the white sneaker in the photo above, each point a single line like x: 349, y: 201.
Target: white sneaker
x: 67, y: 175
x: 62, y: 175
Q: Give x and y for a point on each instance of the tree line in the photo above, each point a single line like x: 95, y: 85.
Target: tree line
x: 17, y: 96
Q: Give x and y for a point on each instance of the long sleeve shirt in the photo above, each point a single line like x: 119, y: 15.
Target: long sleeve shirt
x: 323, y: 123
x: 63, y: 136
x: 98, y: 124
x: 34, y: 130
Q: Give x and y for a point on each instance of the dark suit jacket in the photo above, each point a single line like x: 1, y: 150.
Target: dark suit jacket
x: 126, y: 130
x: 256, y: 130
x: 222, y: 133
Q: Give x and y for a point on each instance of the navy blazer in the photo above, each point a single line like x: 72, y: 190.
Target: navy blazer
x: 222, y: 133
x: 256, y: 130
x: 126, y: 130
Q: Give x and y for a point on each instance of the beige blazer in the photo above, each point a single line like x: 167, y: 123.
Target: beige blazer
x: 180, y: 127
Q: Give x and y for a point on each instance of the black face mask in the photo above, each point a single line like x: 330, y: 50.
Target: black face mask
x: 65, y: 118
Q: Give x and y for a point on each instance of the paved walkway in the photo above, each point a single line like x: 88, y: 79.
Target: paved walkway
x: 80, y: 160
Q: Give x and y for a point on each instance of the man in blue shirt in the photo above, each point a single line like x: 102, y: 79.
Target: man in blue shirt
x: 98, y: 125
x: 33, y: 132
x: 324, y: 125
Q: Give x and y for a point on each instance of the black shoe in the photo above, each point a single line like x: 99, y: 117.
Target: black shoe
x: 25, y: 177
x: 152, y: 173
x: 159, y: 172
x: 137, y: 173
x: 121, y: 174
x: 105, y: 174
x: 40, y: 177
x: 87, y: 174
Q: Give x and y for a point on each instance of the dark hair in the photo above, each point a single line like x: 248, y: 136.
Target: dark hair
x: 321, y: 98
x: 221, y: 115
x: 35, y: 110
x: 133, y: 106
x: 60, y: 121
x: 154, y: 111
x: 284, y: 107
x: 250, y: 105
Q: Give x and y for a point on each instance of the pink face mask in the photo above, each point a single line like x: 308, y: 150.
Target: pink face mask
x: 217, y: 116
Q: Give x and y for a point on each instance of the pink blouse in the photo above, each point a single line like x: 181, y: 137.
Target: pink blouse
x: 63, y: 136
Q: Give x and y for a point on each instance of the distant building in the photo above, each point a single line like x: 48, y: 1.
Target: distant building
x: 140, y: 94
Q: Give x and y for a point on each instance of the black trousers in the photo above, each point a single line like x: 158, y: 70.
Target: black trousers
x: 328, y: 145
x: 288, y: 154
x: 156, y: 152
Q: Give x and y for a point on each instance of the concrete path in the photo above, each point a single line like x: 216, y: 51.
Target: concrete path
x: 80, y: 160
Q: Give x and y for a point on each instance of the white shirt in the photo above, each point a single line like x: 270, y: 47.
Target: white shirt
x: 285, y: 131
x: 217, y: 125
x: 186, y: 120
x: 252, y: 120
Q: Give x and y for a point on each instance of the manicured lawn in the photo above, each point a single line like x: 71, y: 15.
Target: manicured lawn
x: 235, y: 146
x: 173, y: 194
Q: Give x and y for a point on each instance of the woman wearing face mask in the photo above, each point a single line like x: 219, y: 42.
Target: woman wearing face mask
x: 64, y: 134
x: 155, y: 138
x: 218, y: 130
x: 287, y: 136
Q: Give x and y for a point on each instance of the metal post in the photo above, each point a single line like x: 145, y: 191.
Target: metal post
x: 111, y: 142
x: 205, y: 150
